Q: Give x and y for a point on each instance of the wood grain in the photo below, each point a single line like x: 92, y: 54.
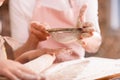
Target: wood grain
x: 111, y: 77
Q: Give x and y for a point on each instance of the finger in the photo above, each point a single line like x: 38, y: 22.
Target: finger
x: 24, y: 73
x: 40, y: 35
x: 87, y: 24
x: 40, y: 27
x: 88, y: 29
x: 25, y: 69
x: 86, y: 35
x: 9, y: 75
x: 39, y: 31
x: 82, y: 13
x: 33, y: 24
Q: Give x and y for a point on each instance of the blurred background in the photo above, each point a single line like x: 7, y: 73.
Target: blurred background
x: 109, y: 18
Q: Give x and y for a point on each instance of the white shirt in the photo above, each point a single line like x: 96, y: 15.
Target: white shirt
x: 21, y: 13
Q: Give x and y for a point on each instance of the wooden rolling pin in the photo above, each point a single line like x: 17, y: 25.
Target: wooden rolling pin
x: 65, y: 29
x: 111, y: 77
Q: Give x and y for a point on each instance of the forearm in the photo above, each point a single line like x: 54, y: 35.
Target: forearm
x: 93, y: 43
x: 30, y: 44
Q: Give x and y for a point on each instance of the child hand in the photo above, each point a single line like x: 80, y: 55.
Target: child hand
x: 38, y: 31
x: 30, y: 55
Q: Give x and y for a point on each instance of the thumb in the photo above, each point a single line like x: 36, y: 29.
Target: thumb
x: 82, y: 13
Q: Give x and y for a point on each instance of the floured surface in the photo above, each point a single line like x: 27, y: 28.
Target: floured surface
x: 41, y: 63
x: 66, y: 71
x: 99, y: 67
x: 86, y: 69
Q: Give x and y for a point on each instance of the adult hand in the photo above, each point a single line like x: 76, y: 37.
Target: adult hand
x: 16, y: 71
x: 87, y: 27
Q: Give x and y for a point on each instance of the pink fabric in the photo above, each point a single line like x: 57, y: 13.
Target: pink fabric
x: 58, y: 14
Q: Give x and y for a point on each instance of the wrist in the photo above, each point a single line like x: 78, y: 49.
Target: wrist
x: 33, y: 39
